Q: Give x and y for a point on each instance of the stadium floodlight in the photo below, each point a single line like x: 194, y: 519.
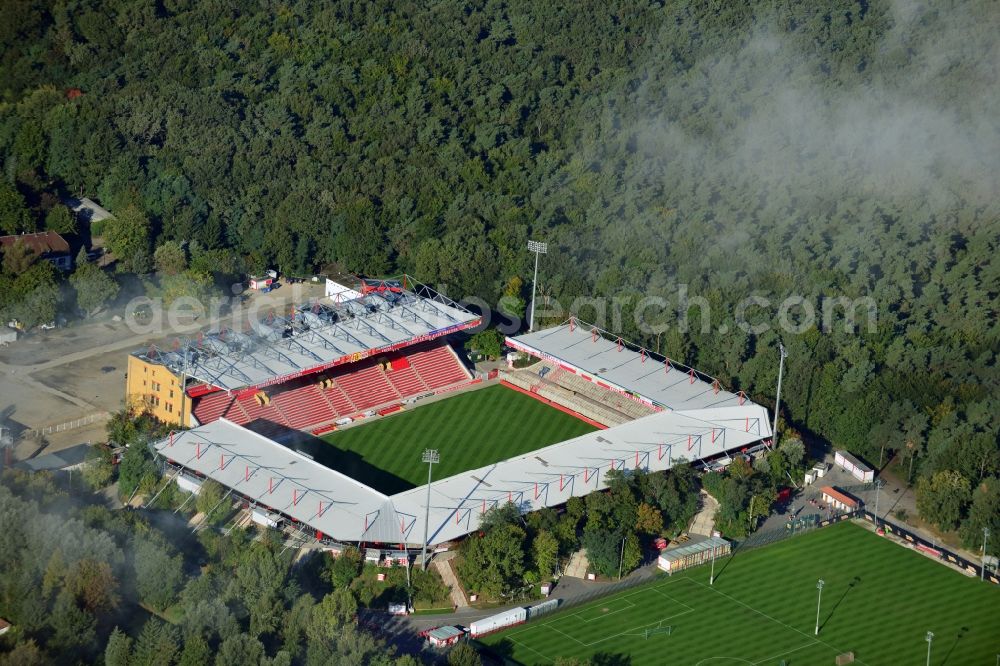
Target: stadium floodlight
x: 538, y: 248
x: 982, y: 569
x: 929, y: 639
x: 782, y: 355
x: 711, y: 578
x: 429, y: 456
x: 621, y: 559
x: 878, y: 485
x: 819, y: 598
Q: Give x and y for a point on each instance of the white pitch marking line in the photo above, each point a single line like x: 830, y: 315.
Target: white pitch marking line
x: 787, y: 626
x: 781, y: 654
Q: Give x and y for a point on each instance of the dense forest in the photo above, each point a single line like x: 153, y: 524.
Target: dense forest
x: 83, y: 584
x: 823, y: 150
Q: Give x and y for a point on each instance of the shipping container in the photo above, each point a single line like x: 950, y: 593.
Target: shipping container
x: 508, y: 618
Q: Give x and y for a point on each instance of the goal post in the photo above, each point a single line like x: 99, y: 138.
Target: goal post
x: 658, y: 630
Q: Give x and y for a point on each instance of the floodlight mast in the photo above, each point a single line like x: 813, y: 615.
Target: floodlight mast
x: 819, y: 598
x: 711, y: 578
x: 538, y: 248
x: 982, y: 568
x: 783, y: 354
x: 929, y: 639
x: 430, y: 456
x: 878, y: 486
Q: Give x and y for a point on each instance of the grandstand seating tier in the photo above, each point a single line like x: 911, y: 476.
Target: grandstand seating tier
x: 303, y: 403
x: 438, y: 366
x: 406, y: 381
x: 577, y: 394
x: 367, y: 387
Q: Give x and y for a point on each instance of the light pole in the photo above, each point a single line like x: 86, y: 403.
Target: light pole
x: 430, y: 456
x: 538, y: 248
x: 982, y: 570
x: 819, y: 597
x: 782, y: 355
x: 930, y: 639
x: 878, y: 485
x: 621, y: 559
x: 711, y: 579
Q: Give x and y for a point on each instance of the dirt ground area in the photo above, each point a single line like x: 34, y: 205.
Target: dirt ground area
x: 76, y: 371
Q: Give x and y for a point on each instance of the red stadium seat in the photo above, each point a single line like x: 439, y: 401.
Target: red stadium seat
x: 312, y: 401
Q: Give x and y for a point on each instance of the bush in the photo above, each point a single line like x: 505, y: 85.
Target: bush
x: 209, y: 501
x: 100, y: 468
x: 345, y: 568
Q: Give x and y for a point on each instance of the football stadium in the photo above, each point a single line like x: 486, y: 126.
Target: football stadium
x: 318, y: 419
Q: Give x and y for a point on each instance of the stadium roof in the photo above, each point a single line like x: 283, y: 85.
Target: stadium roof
x: 347, y: 510
x: 578, y: 466
x: 315, y: 336
x: 284, y: 480
x: 659, y: 381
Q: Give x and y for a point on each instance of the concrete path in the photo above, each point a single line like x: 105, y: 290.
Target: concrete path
x: 443, y: 564
x: 704, y: 521
x: 578, y: 565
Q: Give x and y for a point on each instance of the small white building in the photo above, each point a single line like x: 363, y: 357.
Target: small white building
x: 259, y: 283
x: 444, y: 636
x: 398, y: 609
x: 839, y: 500
x: 858, y: 469
x: 373, y: 556
x: 692, y: 554
x: 87, y: 210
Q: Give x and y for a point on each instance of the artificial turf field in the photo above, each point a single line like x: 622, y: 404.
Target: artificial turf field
x: 469, y: 430
x: 879, y: 601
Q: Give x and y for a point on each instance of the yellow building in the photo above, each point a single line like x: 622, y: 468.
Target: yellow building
x: 156, y: 388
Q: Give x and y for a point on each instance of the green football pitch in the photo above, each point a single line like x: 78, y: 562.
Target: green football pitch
x: 469, y: 430
x: 879, y: 601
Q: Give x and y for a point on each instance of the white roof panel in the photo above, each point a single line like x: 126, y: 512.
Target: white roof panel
x: 317, y: 336
x: 281, y: 479
x: 621, y: 365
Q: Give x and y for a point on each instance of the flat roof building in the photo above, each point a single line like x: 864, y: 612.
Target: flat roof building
x: 839, y: 499
x: 692, y: 554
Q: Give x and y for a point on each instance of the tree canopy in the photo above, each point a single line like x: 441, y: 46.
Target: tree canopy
x: 834, y: 153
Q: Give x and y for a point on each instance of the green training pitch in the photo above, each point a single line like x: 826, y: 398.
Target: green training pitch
x: 879, y: 601
x: 469, y: 430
